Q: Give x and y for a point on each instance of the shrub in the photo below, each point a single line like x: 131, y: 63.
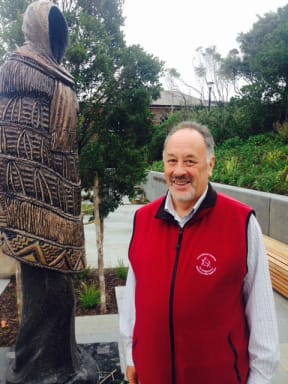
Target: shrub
x: 89, y: 295
x: 259, y: 162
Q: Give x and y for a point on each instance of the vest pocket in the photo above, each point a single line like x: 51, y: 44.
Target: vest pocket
x: 235, y: 354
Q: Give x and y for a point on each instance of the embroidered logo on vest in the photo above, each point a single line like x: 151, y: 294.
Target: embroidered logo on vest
x: 206, y: 264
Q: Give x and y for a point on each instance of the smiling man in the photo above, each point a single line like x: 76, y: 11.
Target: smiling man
x: 199, y: 304
x: 188, y: 164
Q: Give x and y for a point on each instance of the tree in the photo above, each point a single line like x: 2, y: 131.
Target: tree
x: 263, y: 60
x: 115, y: 84
x: 209, y: 69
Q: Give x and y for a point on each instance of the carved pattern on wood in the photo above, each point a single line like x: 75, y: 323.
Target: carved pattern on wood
x: 40, y: 190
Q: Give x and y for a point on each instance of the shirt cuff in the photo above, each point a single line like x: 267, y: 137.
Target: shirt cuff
x: 129, y: 358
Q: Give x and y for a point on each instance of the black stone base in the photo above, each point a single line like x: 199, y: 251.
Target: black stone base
x: 105, y: 356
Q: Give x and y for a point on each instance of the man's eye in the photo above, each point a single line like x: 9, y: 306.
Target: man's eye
x: 171, y: 161
x: 190, y: 162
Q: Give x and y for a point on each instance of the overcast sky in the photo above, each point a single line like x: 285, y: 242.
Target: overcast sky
x: 173, y: 29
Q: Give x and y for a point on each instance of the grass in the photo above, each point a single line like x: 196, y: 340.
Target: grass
x: 122, y: 270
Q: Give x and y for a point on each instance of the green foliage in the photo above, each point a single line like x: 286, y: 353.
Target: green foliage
x: 89, y: 295
x: 157, y: 166
x: 155, y: 147
x: 116, y: 84
x: 282, y: 129
x: 263, y: 63
x: 210, y: 68
x: 122, y: 270
x: 85, y: 275
x: 259, y: 163
x: 118, y: 169
x: 11, y: 36
x: 87, y: 208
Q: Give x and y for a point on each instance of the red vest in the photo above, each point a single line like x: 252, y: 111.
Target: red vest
x: 190, y: 321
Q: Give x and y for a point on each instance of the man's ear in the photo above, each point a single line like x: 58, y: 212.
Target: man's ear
x: 211, y: 165
x: 58, y: 33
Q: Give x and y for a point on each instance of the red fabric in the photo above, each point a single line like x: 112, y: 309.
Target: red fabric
x: 195, y: 332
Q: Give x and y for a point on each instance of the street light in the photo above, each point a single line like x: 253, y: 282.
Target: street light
x: 209, y: 83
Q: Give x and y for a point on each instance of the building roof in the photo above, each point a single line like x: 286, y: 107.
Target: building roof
x: 175, y: 98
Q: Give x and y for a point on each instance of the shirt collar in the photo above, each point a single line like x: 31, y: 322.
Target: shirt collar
x: 170, y: 208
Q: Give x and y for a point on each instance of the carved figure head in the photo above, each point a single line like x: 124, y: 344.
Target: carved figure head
x: 45, y: 29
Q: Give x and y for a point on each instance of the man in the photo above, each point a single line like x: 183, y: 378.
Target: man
x: 199, y: 304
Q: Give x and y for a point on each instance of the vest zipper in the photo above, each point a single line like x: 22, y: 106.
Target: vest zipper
x: 235, y: 353
x: 171, y: 307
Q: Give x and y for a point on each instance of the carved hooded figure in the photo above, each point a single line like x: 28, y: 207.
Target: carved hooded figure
x: 40, y: 200
x: 40, y: 191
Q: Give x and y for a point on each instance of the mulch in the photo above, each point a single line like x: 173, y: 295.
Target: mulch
x: 9, y: 323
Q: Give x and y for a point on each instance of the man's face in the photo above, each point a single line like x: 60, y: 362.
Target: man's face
x: 186, y: 167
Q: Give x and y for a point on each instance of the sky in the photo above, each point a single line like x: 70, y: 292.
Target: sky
x: 173, y: 29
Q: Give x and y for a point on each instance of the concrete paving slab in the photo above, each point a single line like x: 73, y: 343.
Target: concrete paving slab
x: 284, y: 357
x: 281, y: 304
x: 3, y: 284
x: 117, y: 233
x: 100, y: 329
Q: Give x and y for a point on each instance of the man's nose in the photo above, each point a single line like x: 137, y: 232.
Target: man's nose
x: 180, y: 168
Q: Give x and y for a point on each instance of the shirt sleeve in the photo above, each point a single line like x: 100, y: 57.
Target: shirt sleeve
x: 127, y: 316
x: 260, y: 310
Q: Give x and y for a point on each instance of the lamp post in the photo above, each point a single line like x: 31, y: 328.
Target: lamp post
x: 209, y: 83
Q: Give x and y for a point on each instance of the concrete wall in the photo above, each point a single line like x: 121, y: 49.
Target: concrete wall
x: 271, y: 209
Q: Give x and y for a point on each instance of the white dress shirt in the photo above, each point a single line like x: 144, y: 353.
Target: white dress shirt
x: 258, y: 297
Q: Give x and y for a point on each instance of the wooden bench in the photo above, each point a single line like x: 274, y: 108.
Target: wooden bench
x: 277, y: 252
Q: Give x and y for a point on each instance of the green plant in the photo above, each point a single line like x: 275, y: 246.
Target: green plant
x: 231, y: 165
x: 89, y: 295
x: 259, y: 162
x: 87, y: 208
x: 122, y: 270
x: 282, y: 129
x: 85, y: 275
x: 157, y: 166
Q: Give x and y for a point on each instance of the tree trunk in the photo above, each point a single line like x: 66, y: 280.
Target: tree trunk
x: 99, y: 238
x: 19, y: 294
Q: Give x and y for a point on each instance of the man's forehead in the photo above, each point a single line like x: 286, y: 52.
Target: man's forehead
x: 185, y: 136
x: 182, y: 154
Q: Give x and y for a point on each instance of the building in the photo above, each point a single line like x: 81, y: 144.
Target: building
x: 169, y: 102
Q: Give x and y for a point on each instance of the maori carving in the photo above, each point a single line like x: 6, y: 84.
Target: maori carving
x: 40, y: 188
x: 40, y: 196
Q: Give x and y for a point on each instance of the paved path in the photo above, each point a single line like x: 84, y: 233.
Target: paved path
x: 117, y: 232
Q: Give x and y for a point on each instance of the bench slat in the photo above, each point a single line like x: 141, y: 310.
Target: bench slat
x: 278, y: 258
x: 278, y: 264
x: 280, y: 287
x: 276, y: 247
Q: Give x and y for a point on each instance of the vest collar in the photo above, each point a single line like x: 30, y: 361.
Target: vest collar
x: 208, y: 202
